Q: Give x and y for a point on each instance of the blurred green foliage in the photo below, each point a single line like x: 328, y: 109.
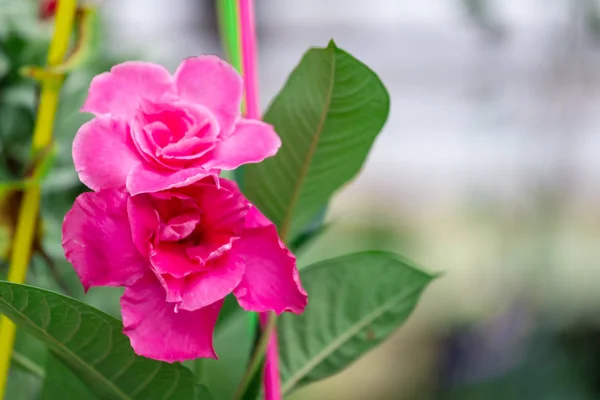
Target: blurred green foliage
x: 24, y: 41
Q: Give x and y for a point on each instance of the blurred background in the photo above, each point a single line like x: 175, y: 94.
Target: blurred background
x: 488, y: 170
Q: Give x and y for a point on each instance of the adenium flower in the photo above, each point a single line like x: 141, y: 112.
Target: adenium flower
x: 179, y: 252
x: 154, y: 131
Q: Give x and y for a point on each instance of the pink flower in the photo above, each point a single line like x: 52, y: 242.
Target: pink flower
x: 153, y: 131
x: 179, y: 252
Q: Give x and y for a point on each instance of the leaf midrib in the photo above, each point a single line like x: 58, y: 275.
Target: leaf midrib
x: 343, y: 338
x: 68, y: 351
x: 287, y: 216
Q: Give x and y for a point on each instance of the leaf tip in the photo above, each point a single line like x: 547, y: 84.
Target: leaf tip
x: 331, y: 44
x: 436, y: 275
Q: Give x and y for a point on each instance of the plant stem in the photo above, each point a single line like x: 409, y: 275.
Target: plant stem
x: 257, y: 356
x: 28, y: 365
x: 199, y: 370
x: 229, y: 24
x: 52, y: 268
x: 42, y: 137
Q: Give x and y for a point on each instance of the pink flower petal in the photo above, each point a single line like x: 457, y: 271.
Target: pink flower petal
x: 254, y: 218
x: 225, y: 210
x: 173, y: 288
x: 211, y: 82
x: 174, y: 135
x: 205, y: 288
x: 157, y: 330
x: 143, y: 221
x: 271, y: 280
x: 171, y: 259
x: 120, y: 91
x: 144, y: 179
x: 251, y: 142
x: 97, y: 240
x: 212, y: 246
x: 179, y: 227
x: 103, y: 154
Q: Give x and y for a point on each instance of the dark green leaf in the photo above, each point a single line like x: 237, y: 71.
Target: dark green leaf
x: 202, y: 393
x: 254, y: 387
x: 92, y: 345
x: 27, y: 374
x: 4, y: 64
x: 328, y: 114
x: 26, y: 364
x: 61, y: 383
x: 233, y: 344
x: 306, y: 238
x: 22, y: 385
x: 355, y: 302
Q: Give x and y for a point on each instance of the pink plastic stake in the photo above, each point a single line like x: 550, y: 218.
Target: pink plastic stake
x: 271, y: 378
x: 249, y: 58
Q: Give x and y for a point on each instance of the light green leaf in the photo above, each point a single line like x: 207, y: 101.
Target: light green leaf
x: 328, y: 114
x: 92, y: 345
x: 355, y: 302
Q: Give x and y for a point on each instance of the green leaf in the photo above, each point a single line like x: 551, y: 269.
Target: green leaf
x: 4, y: 64
x: 22, y: 385
x: 254, y: 388
x: 233, y: 344
x: 21, y: 361
x: 307, y: 238
x: 328, y: 114
x: 61, y: 383
x: 202, y: 393
x: 92, y: 345
x: 355, y: 302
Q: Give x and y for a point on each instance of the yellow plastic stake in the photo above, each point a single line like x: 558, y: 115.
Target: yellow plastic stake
x: 42, y: 137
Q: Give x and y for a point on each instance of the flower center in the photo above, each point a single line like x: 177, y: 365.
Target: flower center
x: 168, y: 126
x: 181, y: 228
x: 174, y: 136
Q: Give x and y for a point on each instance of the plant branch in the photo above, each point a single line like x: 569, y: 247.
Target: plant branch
x: 199, y: 370
x: 53, y: 270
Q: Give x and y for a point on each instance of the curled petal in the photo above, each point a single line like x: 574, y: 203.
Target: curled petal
x: 120, y: 91
x: 159, y: 330
x: 97, y: 240
x: 145, y: 179
x: 254, y: 218
x: 221, y: 277
x: 171, y: 259
x: 251, y: 142
x: 228, y: 208
x: 103, y: 154
x: 211, y: 82
x: 271, y: 281
x: 143, y: 221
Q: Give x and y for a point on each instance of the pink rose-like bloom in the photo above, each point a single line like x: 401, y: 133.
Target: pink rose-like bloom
x: 179, y: 252
x: 154, y: 131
